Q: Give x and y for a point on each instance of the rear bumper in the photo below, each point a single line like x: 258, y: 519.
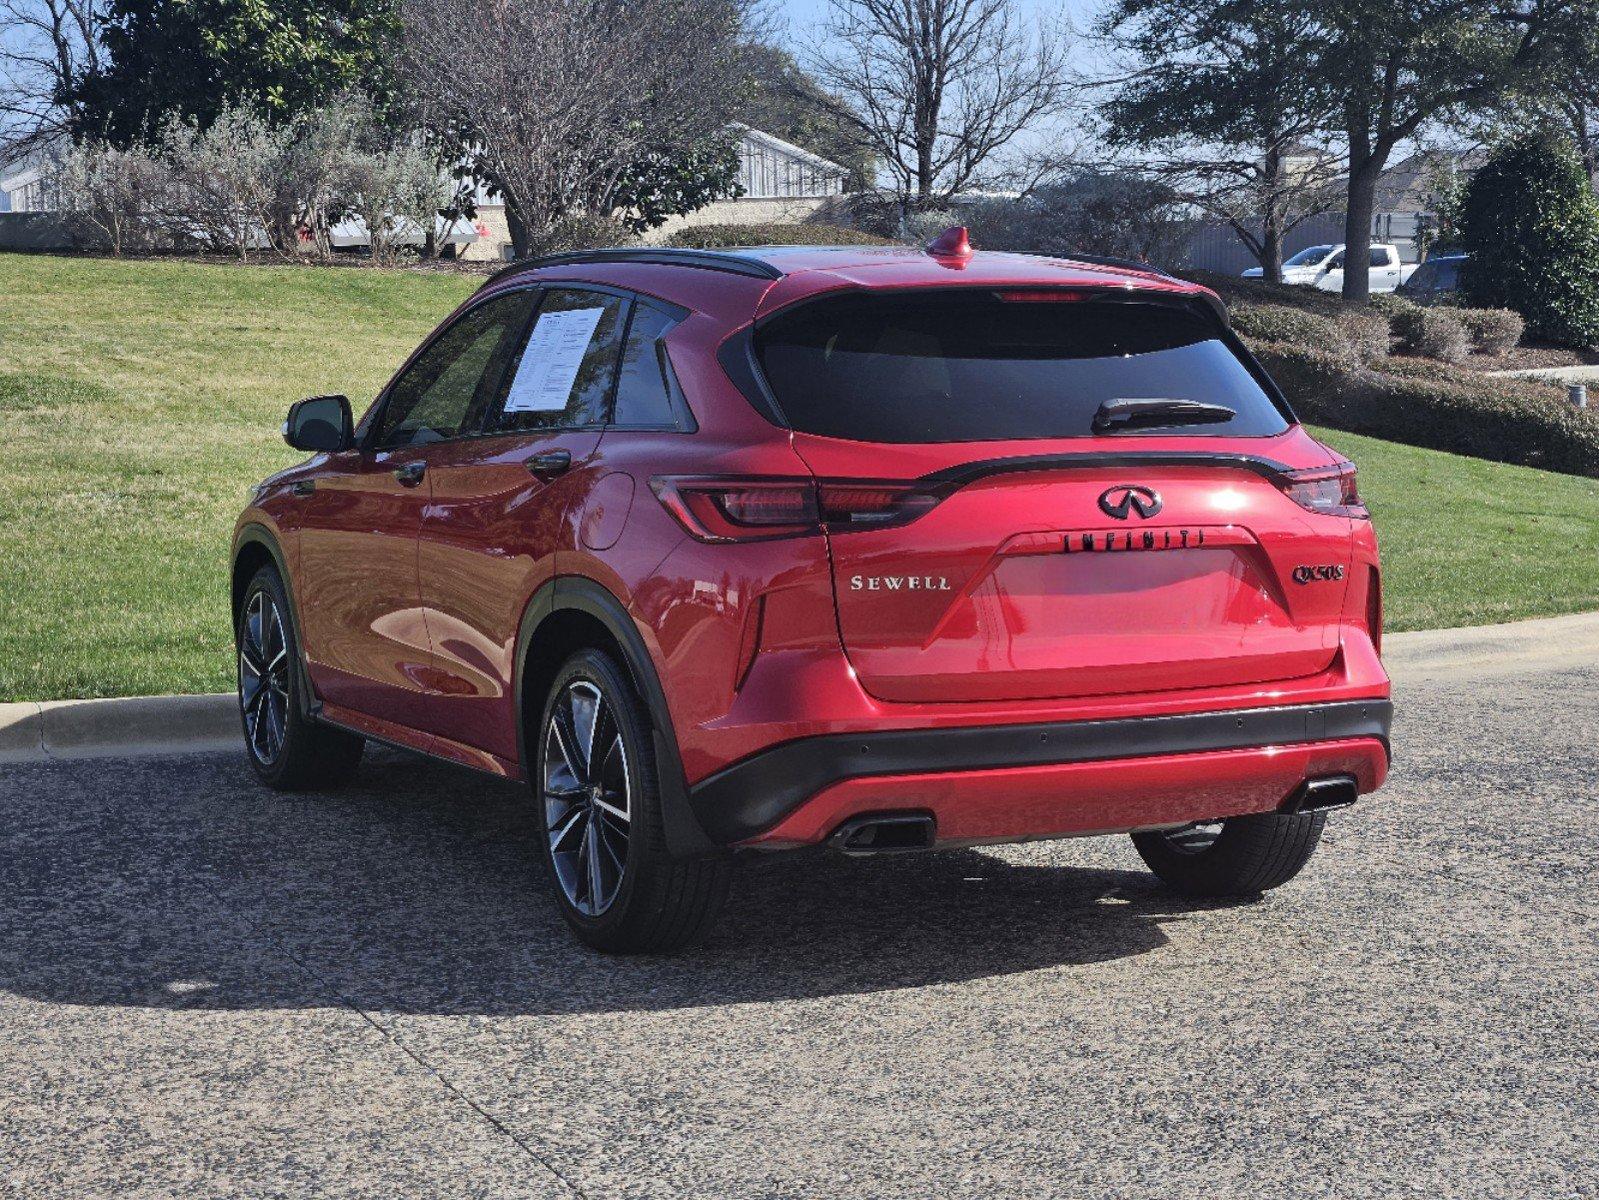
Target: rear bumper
x: 1011, y: 782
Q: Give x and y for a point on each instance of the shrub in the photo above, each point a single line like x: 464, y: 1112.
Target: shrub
x: 1390, y: 304
x: 580, y: 231
x: 229, y: 180
x: 1493, y: 330
x: 1530, y: 223
x: 1367, y: 334
x: 114, y: 199
x: 1294, y: 326
x: 1433, y: 332
x: 711, y: 237
x: 1439, y: 407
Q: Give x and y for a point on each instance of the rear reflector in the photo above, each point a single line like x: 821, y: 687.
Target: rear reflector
x: 747, y: 510
x: 1374, y: 616
x: 1329, y: 490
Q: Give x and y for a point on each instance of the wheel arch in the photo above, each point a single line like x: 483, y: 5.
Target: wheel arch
x: 570, y: 613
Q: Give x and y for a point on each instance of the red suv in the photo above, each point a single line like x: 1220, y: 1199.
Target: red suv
x: 875, y: 548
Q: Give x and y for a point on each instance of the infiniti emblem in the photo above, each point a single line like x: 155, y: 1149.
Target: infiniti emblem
x: 1117, y: 500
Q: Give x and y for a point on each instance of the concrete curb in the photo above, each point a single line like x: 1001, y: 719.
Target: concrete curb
x: 140, y: 725
x: 55, y: 729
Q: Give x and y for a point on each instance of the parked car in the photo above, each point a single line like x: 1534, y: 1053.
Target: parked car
x: 858, y: 547
x: 1323, y: 267
x: 1436, y: 281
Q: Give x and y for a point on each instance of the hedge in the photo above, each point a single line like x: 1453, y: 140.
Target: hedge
x: 1426, y: 403
x: 714, y: 237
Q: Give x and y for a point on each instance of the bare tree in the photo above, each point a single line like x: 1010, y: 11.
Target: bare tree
x: 938, y: 88
x: 555, y: 104
x: 46, y: 46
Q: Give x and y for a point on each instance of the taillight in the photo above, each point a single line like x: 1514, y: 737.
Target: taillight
x: 752, y: 510
x: 846, y: 506
x: 740, y: 510
x: 1329, y: 490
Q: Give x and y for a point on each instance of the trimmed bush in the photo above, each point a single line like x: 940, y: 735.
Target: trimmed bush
x: 1439, y: 407
x: 1493, y: 330
x: 1280, y: 323
x: 1530, y: 223
x: 1390, y: 304
x: 715, y: 237
x: 1367, y: 334
x: 1434, y: 332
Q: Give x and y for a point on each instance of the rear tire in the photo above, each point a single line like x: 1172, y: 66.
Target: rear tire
x: 598, y: 800
x: 288, y: 751
x: 1240, y: 856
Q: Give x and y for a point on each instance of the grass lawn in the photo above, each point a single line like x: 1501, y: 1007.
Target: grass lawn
x: 138, y: 402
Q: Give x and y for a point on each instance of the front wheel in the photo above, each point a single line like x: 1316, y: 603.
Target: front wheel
x: 1238, y: 856
x: 599, y: 805
x: 288, y: 751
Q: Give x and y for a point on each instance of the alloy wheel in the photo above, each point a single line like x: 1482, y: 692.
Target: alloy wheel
x: 264, y: 678
x: 587, y: 799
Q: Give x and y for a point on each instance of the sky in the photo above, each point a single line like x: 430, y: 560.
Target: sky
x: 796, y: 21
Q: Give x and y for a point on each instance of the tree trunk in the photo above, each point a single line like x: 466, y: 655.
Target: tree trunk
x: 521, y: 236
x: 1271, y: 255
x: 1362, y: 203
x: 924, y: 176
x: 1271, y: 233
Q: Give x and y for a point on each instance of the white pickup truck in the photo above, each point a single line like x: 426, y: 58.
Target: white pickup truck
x: 1323, y: 267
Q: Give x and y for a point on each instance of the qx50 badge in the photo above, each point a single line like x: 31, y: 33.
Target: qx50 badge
x: 1314, y: 574
x: 1117, y: 501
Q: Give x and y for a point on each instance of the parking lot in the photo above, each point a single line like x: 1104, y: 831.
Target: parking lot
x: 209, y: 989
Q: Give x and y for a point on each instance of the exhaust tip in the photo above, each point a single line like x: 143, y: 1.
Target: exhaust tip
x: 1320, y: 795
x: 885, y: 833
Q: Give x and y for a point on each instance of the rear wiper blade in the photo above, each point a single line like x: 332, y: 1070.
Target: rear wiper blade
x: 1131, y: 412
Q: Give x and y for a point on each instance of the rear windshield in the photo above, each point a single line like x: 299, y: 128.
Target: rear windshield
x: 970, y: 366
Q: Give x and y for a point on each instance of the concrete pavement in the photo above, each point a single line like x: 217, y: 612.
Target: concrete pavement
x: 207, y: 989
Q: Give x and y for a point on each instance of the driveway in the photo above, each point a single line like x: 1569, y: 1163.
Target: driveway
x: 207, y: 989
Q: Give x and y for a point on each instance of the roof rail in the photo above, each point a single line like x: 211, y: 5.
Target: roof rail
x: 669, y: 256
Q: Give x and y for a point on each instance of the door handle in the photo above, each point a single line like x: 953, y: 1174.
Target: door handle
x: 549, y: 463
x: 411, y: 473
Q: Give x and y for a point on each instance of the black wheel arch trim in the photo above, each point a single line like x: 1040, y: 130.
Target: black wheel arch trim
x: 755, y: 794
x: 255, y: 534
x: 685, y: 837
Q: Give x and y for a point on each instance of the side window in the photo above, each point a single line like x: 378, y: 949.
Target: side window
x: 446, y: 390
x: 1336, y: 262
x: 1379, y: 256
x: 645, y: 384
x: 564, y: 375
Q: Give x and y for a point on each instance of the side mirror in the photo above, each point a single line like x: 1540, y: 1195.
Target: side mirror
x: 320, y: 423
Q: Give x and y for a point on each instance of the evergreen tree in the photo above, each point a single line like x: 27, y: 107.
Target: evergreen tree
x: 1530, y: 223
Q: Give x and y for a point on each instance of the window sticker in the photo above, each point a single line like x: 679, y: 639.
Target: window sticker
x: 553, y: 357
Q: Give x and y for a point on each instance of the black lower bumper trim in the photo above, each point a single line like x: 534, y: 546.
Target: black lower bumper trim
x: 752, y: 796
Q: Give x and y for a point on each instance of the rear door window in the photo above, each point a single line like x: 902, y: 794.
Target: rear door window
x: 971, y: 366
x: 567, y: 365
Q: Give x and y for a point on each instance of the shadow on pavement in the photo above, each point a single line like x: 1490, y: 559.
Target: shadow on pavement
x: 182, y: 884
